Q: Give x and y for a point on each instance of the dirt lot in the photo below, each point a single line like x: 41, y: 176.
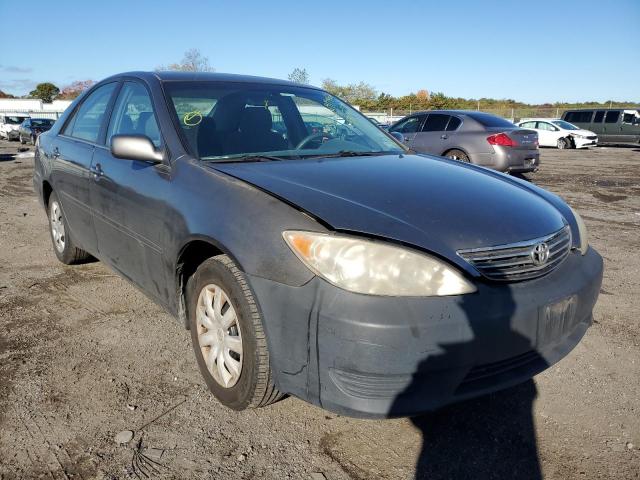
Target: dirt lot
x: 84, y: 355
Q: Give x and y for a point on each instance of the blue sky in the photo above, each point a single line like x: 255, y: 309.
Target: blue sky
x: 533, y: 51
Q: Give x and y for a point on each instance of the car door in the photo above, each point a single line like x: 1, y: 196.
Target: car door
x: 23, y: 131
x: 72, y: 151
x: 547, y: 134
x: 409, y: 127
x: 611, y: 127
x: 433, y: 137
x: 597, y: 125
x: 630, y: 126
x: 128, y: 196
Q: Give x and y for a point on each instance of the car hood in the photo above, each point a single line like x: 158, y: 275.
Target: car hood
x: 432, y: 203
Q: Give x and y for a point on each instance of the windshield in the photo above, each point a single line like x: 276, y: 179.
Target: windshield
x: 565, y: 125
x: 41, y: 122
x: 14, y: 120
x: 231, y: 121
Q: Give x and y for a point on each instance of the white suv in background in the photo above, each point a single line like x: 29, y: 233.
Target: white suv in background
x: 9, y: 125
x: 553, y: 132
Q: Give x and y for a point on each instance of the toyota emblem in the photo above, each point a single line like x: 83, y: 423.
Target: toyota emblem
x: 540, y: 254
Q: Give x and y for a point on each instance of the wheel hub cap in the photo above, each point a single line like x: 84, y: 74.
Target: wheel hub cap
x: 219, y: 335
x: 57, y: 226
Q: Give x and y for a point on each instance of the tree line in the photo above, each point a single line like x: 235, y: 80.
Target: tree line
x: 363, y: 94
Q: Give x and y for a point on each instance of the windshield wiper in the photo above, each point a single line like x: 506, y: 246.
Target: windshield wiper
x: 245, y: 158
x: 348, y: 153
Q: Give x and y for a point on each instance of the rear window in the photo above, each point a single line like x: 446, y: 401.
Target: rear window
x: 454, y: 123
x: 488, y: 120
x: 612, y: 117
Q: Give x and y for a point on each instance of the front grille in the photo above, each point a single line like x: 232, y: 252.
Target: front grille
x: 515, y: 261
x: 592, y: 137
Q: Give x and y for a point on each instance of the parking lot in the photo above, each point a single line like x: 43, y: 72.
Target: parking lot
x: 84, y: 355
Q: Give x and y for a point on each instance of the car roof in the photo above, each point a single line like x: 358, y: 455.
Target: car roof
x: 540, y: 119
x: 176, y: 76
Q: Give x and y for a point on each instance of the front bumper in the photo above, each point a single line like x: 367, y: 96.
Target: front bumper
x: 12, y: 134
x: 370, y: 356
x: 585, y: 142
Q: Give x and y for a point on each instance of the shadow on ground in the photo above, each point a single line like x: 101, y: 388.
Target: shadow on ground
x: 492, y: 437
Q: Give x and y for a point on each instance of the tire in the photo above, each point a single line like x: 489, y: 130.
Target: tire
x: 22, y: 142
x: 63, y: 245
x: 33, y: 139
x: 563, y: 144
x: 252, y: 387
x: 459, y: 155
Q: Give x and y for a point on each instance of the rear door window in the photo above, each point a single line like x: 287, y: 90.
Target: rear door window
x: 528, y: 125
x: 599, y: 116
x: 88, y: 119
x: 612, y: 116
x: 546, y: 126
x: 436, y: 122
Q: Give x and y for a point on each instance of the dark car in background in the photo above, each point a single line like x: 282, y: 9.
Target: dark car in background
x: 332, y: 265
x: 612, y: 125
x: 30, y: 128
x: 474, y: 137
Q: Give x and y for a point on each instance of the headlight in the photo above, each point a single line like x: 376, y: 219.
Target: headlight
x: 375, y: 268
x: 582, y: 232
x: 577, y: 135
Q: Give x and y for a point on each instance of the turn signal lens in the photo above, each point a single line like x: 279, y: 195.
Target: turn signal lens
x: 375, y: 268
x: 582, y: 232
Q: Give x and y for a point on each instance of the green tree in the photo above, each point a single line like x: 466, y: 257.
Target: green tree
x: 45, y: 92
x: 299, y: 75
x: 361, y: 93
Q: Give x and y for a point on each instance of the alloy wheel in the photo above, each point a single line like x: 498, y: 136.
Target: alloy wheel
x: 219, y: 335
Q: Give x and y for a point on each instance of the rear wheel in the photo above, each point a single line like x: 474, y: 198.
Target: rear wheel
x: 228, y: 337
x: 63, y: 245
x: 457, y: 155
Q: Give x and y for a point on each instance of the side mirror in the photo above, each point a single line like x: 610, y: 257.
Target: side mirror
x: 135, y: 147
x: 397, y: 135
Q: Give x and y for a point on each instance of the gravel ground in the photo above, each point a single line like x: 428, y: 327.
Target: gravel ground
x: 84, y: 355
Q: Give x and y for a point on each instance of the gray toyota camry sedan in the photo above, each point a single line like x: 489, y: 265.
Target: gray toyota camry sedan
x: 307, y: 251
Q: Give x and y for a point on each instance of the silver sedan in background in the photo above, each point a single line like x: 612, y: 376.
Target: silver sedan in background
x: 470, y: 136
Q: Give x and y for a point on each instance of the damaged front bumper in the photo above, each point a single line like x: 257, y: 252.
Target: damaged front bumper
x: 369, y: 356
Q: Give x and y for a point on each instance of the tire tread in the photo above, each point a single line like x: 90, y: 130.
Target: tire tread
x: 265, y: 391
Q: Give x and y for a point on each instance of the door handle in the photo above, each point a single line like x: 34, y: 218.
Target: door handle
x: 444, y: 136
x: 97, y: 171
x: 56, y: 153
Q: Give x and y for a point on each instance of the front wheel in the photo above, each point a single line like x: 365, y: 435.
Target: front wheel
x: 563, y: 144
x: 33, y: 139
x: 22, y: 142
x: 63, y: 245
x: 457, y: 155
x: 228, y: 336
